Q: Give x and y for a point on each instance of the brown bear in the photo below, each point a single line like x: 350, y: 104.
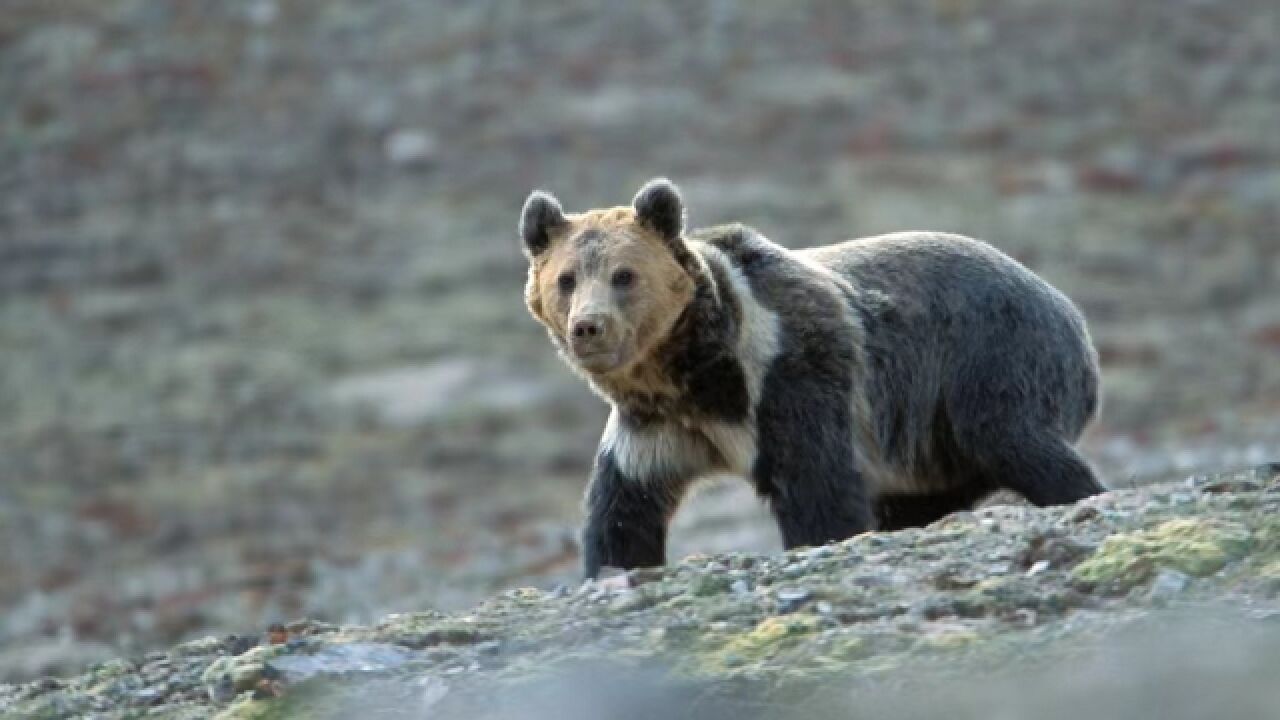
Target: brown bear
x: 877, y: 383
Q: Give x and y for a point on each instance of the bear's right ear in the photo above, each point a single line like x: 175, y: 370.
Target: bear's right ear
x: 659, y: 206
x: 541, y: 215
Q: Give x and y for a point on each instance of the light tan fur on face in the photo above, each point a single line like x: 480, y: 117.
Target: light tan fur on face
x: 642, y: 317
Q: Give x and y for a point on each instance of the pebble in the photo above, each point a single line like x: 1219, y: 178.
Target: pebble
x: 338, y: 659
x: 796, y: 569
x: 1038, y: 567
x: 1084, y: 513
x: 644, y: 576
x: 1231, y: 485
x: 1168, y: 585
x: 150, y: 695
x: 705, y: 585
x: 629, y: 601
x: 222, y: 690
x: 792, y: 599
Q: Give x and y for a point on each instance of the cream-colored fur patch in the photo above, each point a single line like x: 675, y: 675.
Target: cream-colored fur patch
x: 758, y: 334
x: 736, y: 445
x: 657, y: 451
x: 758, y: 341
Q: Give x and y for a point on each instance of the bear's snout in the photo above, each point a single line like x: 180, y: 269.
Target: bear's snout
x: 593, y: 342
x: 588, y: 328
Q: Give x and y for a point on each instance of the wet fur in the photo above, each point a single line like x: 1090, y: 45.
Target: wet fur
x: 878, y: 383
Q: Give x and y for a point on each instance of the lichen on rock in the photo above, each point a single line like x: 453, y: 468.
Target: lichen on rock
x: 1195, y: 546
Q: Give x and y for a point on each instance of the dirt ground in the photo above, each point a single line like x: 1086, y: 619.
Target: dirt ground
x: 262, y: 347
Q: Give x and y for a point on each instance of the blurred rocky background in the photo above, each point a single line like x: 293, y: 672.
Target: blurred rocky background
x: 263, y: 352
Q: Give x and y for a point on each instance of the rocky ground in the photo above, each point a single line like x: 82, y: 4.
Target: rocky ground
x: 881, y: 625
x: 262, y: 349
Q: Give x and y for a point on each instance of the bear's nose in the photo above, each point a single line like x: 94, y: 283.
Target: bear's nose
x: 589, y: 327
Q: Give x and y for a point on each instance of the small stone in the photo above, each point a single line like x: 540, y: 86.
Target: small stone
x: 276, y: 634
x: 1054, y: 547
x: 955, y: 578
x: 246, y: 677
x: 706, y: 585
x: 222, y: 690
x: 47, y: 683
x: 644, y: 576
x: 201, y: 646
x: 613, y: 583
x: 740, y: 587
x: 113, y: 668
x: 1025, y: 617
x: 237, y: 644
x: 1231, y: 485
x: 1038, y: 567
x: 791, y: 599
x: 1168, y: 585
x: 1084, y: 513
x: 150, y: 695
x: 631, y: 601
x: 797, y: 569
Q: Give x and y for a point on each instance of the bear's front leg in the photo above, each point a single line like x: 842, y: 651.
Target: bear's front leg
x: 806, y: 465
x: 626, y: 518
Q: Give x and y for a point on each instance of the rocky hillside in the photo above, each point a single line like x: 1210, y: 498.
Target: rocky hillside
x: 1021, y: 608
x: 262, y: 347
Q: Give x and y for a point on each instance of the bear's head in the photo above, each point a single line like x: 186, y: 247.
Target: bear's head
x: 608, y: 284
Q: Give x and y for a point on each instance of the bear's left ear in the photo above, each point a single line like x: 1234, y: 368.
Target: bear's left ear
x: 541, y: 215
x: 658, y: 205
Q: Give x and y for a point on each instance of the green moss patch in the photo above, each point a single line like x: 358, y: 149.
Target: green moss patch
x: 1197, y: 547
x: 769, y: 637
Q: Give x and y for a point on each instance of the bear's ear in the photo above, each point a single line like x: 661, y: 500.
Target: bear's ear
x: 658, y: 205
x: 541, y: 215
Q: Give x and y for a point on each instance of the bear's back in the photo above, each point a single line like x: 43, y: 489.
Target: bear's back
x: 964, y: 290
x: 950, y: 321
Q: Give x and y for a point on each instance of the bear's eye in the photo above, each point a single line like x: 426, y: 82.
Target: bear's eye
x: 623, y: 278
x: 566, y: 282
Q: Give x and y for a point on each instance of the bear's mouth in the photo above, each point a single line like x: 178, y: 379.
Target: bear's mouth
x: 601, y: 358
x: 598, y: 360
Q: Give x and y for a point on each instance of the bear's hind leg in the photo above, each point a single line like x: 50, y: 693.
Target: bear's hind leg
x: 895, y: 512
x: 1040, y: 466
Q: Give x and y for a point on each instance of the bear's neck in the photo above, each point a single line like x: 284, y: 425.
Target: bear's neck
x: 693, y: 374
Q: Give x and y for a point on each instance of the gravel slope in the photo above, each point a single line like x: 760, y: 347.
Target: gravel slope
x: 970, y: 602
